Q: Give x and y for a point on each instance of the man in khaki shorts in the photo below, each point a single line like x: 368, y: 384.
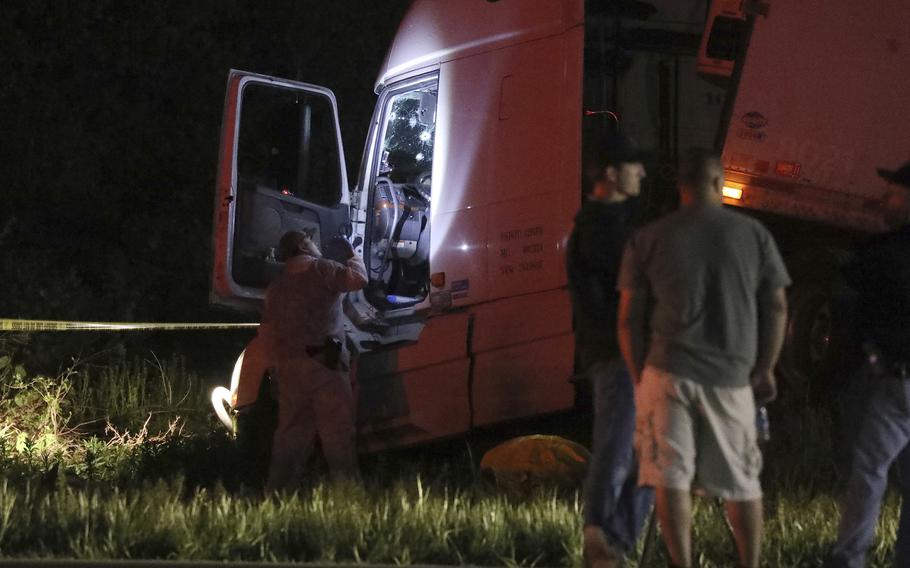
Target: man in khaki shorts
x: 708, y: 283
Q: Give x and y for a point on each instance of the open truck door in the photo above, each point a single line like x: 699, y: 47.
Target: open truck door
x: 281, y: 168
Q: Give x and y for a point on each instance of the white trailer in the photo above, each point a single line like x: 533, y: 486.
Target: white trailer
x: 816, y: 104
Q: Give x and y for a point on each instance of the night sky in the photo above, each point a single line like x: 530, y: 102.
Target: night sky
x: 110, y: 113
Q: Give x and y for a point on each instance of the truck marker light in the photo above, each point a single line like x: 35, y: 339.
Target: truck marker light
x: 791, y: 169
x: 464, y: 247
x: 733, y: 193
x: 438, y: 279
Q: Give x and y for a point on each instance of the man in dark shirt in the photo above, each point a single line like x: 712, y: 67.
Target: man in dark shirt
x: 880, y: 274
x: 614, y: 508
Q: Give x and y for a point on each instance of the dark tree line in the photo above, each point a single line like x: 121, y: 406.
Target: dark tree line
x: 110, y: 115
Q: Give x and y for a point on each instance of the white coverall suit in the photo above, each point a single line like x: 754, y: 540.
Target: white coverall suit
x: 302, y: 309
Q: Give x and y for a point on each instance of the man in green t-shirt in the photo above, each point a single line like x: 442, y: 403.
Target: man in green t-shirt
x: 709, y: 284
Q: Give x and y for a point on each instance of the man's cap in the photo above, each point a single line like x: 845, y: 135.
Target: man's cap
x: 620, y: 149
x: 900, y: 176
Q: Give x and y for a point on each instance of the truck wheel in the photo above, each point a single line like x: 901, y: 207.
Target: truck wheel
x: 819, y: 344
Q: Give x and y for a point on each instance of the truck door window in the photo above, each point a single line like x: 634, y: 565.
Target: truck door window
x: 399, y: 227
x: 407, y: 146
x: 288, y: 144
x: 289, y: 175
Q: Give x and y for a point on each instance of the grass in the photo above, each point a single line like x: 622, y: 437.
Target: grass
x: 404, y: 524
x: 98, y: 424
x: 105, y: 463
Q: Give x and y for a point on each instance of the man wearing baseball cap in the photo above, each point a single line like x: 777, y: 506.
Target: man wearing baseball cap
x: 880, y: 275
x: 615, y: 508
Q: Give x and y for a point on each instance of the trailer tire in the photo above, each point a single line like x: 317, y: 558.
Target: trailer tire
x: 819, y: 346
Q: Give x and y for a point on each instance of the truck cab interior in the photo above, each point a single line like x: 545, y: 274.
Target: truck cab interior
x: 397, y: 255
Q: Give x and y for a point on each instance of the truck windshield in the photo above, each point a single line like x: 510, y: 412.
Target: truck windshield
x: 398, y: 258
x: 410, y: 128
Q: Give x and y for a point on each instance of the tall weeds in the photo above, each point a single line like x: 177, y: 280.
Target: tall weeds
x: 97, y: 424
x: 145, y: 392
x: 402, y: 525
x: 123, y: 463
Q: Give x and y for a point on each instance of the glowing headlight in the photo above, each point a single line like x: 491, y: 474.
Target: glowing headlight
x: 733, y: 192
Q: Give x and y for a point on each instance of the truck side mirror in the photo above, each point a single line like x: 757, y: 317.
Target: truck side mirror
x: 724, y: 39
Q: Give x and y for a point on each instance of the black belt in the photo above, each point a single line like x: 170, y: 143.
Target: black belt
x: 329, y: 352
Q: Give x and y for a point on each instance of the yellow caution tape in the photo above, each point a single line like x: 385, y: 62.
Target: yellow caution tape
x: 51, y: 325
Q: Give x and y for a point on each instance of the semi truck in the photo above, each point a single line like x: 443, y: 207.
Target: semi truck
x: 471, y: 175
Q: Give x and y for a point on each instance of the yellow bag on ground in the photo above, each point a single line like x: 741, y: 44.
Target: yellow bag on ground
x: 524, y: 464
